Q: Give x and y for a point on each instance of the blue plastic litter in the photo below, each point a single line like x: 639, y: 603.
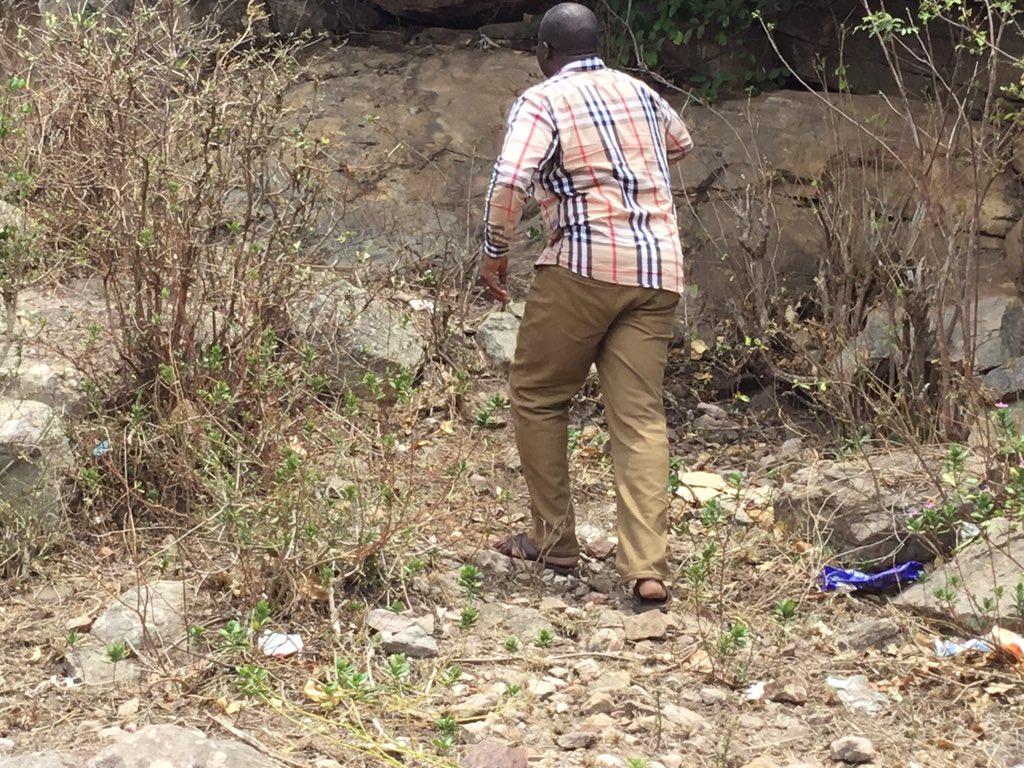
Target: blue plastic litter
x: 954, y: 648
x: 832, y: 579
x: 101, y: 449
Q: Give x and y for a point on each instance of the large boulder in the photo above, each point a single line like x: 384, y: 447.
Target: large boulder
x: 154, y: 746
x: 355, y: 332
x: 997, y: 330
x: 150, y: 616
x: 462, y: 13
x: 978, y: 587
x: 859, y: 508
x: 35, y: 457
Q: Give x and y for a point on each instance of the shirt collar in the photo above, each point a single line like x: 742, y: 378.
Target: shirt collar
x: 582, y: 65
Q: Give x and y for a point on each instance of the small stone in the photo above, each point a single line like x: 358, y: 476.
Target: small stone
x: 787, y: 689
x: 873, y: 633
x: 495, y: 562
x: 111, y: 733
x: 541, y: 689
x: 388, y: 621
x: 686, y: 721
x: 598, y: 723
x: 761, y: 762
x: 552, y: 605
x: 672, y: 761
x: 610, y: 681
x: 853, y: 749
x: 609, y: 761
x: 576, y: 740
x: 748, y: 722
x: 476, y: 705
x: 6, y: 746
x: 712, y: 410
x: 491, y: 754
x: 326, y: 762
x: 480, y: 483
x: 497, y: 338
x: 128, y: 709
x: 602, y: 549
x: 599, y: 702
x: 474, y: 732
x: 413, y: 642
x: 649, y: 625
x: 713, y: 696
x: 587, y: 670
x: 79, y: 623
x: 606, y: 640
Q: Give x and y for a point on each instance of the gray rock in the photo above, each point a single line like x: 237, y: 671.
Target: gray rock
x: 388, y: 621
x: 41, y: 760
x: 413, y: 641
x: 169, y: 746
x: 1006, y: 380
x: 853, y: 749
x: 606, y: 639
x: 89, y: 664
x: 6, y: 746
x: 491, y: 754
x: 863, y: 520
x: 686, y: 723
x: 873, y: 633
x: 447, y: 12
x: 787, y: 689
x: 577, y: 740
x: 177, y: 748
x: 357, y: 332
x: 497, y: 338
x: 649, y: 625
x: 150, y: 616
x: 600, y: 702
x: 986, y: 569
x: 34, y: 455
x: 476, y: 705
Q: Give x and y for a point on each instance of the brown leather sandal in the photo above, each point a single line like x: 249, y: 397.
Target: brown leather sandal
x: 642, y: 603
x: 518, y: 547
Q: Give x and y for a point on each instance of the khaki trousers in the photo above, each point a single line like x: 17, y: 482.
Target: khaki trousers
x: 570, y: 323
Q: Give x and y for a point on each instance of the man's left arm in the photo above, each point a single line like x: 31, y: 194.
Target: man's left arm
x: 530, y: 139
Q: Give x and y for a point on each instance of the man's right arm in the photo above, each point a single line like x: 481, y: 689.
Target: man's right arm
x: 529, y: 141
x: 677, y: 138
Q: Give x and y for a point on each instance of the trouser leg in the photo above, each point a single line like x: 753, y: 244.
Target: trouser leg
x: 631, y: 363
x: 562, y: 327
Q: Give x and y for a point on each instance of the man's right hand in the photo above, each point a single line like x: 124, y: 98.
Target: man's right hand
x: 494, y: 273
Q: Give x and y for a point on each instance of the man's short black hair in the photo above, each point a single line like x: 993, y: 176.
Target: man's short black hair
x: 570, y: 29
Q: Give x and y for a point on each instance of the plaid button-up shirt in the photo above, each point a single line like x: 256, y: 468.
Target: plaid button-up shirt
x: 593, y: 146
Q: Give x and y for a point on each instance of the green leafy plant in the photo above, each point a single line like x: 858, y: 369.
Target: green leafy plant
x: 116, y: 652
x: 511, y: 644
x: 785, y: 610
x: 471, y: 580
x: 252, y: 680
x: 545, y: 638
x: 468, y: 618
x: 235, y: 636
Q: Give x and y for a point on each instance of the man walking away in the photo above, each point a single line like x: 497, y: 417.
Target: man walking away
x: 593, y: 146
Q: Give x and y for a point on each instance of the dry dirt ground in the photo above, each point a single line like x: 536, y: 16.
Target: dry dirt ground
x: 585, y: 681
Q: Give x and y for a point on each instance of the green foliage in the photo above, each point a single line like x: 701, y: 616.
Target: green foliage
x: 639, y: 32
x: 116, y: 652
x: 471, y: 580
x: 252, y: 680
x: 545, y: 638
x: 785, y: 610
x: 468, y: 618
